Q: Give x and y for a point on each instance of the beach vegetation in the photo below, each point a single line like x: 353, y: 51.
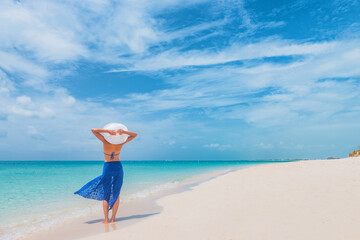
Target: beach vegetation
x: 355, y: 153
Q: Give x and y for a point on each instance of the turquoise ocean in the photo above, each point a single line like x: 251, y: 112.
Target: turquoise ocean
x: 38, y: 194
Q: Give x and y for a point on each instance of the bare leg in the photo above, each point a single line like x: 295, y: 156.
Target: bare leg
x: 106, y: 213
x: 114, y: 210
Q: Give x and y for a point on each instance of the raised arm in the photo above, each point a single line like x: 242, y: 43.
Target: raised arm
x: 97, y: 131
x: 132, y: 135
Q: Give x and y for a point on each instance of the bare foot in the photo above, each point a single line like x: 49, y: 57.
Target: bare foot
x: 106, y: 221
x: 112, y: 220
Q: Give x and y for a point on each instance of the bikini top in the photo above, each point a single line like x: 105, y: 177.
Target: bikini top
x: 112, y: 155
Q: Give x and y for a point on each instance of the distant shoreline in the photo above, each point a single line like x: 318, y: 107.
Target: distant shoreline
x: 130, y: 211
x: 260, y: 160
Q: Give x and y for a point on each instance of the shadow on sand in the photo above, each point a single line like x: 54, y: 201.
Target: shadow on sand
x: 124, y: 218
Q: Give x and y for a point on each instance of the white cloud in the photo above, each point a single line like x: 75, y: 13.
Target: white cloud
x: 28, y: 26
x: 13, y: 63
x: 264, y: 145
x: 182, y: 33
x: 6, y: 86
x: 68, y: 100
x: 32, y: 130
x: 41, y: 38
x: 212, y: 145
x: 266, y: 93
x: 236, y: 52
x: 217, y: 146
x: 23, y: 100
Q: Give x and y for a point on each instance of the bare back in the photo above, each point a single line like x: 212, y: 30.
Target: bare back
x: 112, y: 151
x: 112, y: 148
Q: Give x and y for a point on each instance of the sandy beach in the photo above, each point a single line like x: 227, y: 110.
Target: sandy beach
x: 316, y: 199
x: 309, y: 199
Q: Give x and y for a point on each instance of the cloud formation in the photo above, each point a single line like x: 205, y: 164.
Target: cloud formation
x: 230, y: 76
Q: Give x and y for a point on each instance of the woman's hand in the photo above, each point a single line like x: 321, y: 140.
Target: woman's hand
x: 112, y: 132
x: 120, y: 131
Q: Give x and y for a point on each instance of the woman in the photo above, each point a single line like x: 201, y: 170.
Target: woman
x: 107, y: 187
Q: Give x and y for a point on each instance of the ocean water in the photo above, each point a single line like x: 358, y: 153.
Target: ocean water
x: 37, y: 194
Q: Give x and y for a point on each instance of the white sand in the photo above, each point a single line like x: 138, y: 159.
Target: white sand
x: 129, y: 213
x: 317, y: 199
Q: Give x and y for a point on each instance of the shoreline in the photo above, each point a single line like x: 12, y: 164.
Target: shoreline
x: 129, y: 212
x: 306, y: 199
x: 275, y: 197
x: 28, y: 207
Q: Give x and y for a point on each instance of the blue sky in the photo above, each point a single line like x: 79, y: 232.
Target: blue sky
x: 197, y: 80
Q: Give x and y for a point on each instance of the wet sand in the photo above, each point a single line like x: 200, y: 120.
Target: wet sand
x: 129, y: 213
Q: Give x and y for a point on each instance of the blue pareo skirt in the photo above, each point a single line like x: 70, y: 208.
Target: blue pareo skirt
x: 107, y: 186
